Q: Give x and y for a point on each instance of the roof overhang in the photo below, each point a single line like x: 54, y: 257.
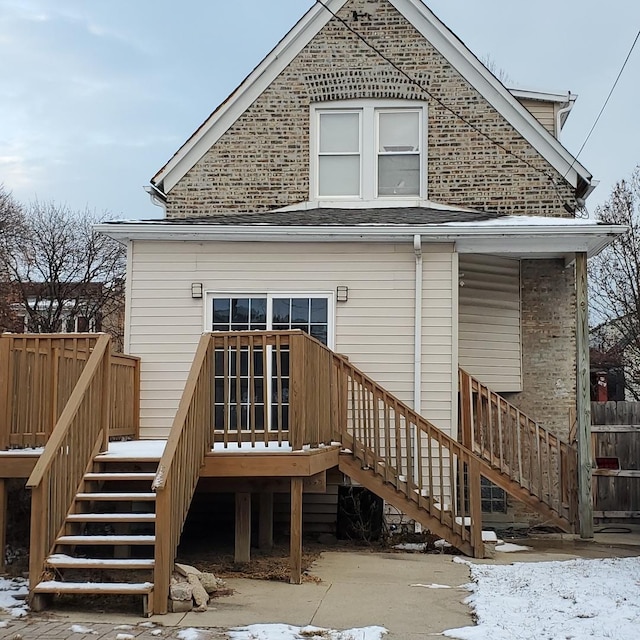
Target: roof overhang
x: 512, y: 236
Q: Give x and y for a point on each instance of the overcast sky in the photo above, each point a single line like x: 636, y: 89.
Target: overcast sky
x: 96, y: 95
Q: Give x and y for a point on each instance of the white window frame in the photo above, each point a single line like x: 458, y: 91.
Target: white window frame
x: 368, y: 110
x: 328, y: 295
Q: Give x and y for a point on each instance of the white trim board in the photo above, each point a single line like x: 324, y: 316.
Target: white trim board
x: 435, y: 31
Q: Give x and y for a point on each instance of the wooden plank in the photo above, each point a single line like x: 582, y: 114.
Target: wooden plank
x: 295, y: 562
x: 583, y: 401
x: 5, y: 395
x: 615, y: 428
x: 315, y: 484
x: 616, y: 514
x: 265, y: 524
x: 617, y: 473
x: 287, y: 464
x: 17, y: 466
x: 243, y: 528
x: 3, y: 522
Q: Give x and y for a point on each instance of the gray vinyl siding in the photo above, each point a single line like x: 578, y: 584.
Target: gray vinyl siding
x: 489, y: 321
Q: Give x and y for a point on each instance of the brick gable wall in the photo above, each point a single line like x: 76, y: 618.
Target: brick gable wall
x: 262, y: 161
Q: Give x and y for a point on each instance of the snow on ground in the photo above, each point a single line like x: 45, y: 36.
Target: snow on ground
x: 573, y: 600
x: 510, y: 547
x: 12, y: 596
x: 191, y: 634
x: 434, y: 585
x: 411, y: 546
x: 78, y: 628
x: 288, y: 632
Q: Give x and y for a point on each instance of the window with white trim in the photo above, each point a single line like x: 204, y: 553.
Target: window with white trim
x: 260, y: 398
x: 368, y: 151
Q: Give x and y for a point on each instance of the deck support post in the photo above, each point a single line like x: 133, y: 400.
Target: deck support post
x: 265, y: 528
x: 583, y: 404
x: 243, y: 528
x: 296, y: 531
x: 3, y: 522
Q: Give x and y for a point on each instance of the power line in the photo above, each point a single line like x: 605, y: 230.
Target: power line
x: 606, y: 102
x: 422, y: 88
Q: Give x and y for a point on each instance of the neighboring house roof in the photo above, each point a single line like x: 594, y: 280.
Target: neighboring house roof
x: 471, y: 231
x: 435, y: 32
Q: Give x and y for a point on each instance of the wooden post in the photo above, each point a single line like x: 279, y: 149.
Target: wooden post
x: 265, y: 530
x: 5, y: 392
x: 297, y: 404
x: 243, y: 528
x: 466, y: 410
x: 3, y: 522
x: 296, y: 532
x: 106, y: 397
x: 475, y: 508
x: 38, y: 539
x: 583, y: 404
x: 163, y: 566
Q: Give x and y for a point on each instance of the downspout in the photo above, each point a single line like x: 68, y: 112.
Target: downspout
x: 417, y: 338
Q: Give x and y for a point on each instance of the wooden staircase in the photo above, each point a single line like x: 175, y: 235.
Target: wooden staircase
x: 106, y: 545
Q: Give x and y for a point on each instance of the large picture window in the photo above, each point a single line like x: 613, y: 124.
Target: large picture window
x: 368, y: 152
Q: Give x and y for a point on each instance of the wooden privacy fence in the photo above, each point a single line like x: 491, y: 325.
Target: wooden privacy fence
x: 80, y: 432
x: 519, y: 449
x: 615, y: 441
x: 38, y: 373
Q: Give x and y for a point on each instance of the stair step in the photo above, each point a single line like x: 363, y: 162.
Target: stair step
x: 63, y: 561
x: 111, y: 517
x: 120, y: 475
x: 124, y: 588
x: 112, y: 540
x: 117, y: 495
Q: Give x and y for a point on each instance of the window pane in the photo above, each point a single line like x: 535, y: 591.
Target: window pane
x: 319, y: 332
x: 281, y: 310
x: 399, y: 131
x: 399, y: 175
x: 339, y: 133
x: 221, y: 310
x: 258, y: 311
x: 300, y: 310
x: 240, y: 310
x: 318, y: 310
x: 339, y: 176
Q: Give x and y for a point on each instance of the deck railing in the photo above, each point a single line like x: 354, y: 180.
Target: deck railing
x: 38, y: 373
x: 519, y: 448
x: 79, y: 434
x: 425, y: 464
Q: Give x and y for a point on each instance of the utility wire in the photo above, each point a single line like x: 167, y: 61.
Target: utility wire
x: 422, y: 88
x: 606, y: 102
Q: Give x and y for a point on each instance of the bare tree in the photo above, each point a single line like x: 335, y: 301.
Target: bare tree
x: 10, y: 220
x: 615, y: 283
x: 500, y: 73
x: 61, y: 270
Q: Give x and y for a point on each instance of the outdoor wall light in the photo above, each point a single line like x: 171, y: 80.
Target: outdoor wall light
x: 196, y: 290
x: 342, y: 293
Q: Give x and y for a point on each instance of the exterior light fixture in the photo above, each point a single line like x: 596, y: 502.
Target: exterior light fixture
x: 196, y: 290
x: 342, y: 293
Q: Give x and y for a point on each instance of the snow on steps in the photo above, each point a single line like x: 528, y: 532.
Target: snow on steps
x: 120, y: 475
x: 117, y: 496
x: 122, y: 588
x: 100, y: 540
x: 63, y: 561
x: 111, y: 517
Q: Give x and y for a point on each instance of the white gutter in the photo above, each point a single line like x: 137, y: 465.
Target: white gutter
x: 561, y: 112
x: 417, y: 340
x: 512, y: 235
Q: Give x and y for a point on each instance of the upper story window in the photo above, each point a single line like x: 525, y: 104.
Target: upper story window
x: 368, y: 151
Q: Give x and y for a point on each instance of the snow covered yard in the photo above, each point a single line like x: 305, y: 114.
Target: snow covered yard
x: 12, y: 596
x: 572, y: 600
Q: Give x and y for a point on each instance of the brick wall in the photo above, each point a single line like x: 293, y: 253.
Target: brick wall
x: 262, y: 161
x: 548, y: 343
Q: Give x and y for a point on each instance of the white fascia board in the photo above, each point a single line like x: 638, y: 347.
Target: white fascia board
x: 479, y: 77
x: 515, y: 239
x: 249, y: 90
x: 543, y: 96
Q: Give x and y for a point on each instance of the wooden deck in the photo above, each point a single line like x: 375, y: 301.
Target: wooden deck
x: 261, y: 412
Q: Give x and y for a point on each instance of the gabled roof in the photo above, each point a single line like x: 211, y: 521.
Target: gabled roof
x: 442, y: 38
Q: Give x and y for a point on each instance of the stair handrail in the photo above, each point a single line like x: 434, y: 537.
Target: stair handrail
x: 189, y: 441
x: 79, y: 434
x: 467, y: 524
x: 537, y: 455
